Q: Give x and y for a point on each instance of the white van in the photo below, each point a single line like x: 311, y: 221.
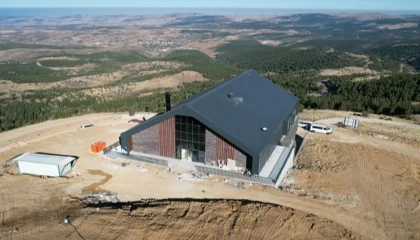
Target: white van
x: 320, y: 129
x: 304, y: 124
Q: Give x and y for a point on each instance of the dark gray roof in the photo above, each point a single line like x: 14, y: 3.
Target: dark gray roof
x: 256, y: 102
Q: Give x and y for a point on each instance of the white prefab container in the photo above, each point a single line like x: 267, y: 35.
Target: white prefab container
x: 44, y: 164
x: 351, y: 122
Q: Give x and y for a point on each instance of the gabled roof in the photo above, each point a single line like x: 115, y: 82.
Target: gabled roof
x: 255, y: 103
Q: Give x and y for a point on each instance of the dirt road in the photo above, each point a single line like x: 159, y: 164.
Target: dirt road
x: 333, y: 121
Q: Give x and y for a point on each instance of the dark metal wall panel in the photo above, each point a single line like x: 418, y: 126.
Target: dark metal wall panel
x: 166, y: 144
x: 270, y: 146
x: 210, y: 147
x: 276, y: 139
x: 290, y: 136
x: 240, y: 159
x: 146, y: 141
x: 224, y: 150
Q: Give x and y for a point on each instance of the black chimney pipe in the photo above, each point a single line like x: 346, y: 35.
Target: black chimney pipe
x: 168, y: 101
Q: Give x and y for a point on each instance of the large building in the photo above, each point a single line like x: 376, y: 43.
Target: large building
x: 247, y: 122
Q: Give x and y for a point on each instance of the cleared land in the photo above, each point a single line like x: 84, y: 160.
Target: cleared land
x: 128, y: 70
x: 353, y: 171
x: 348, y: 71
x: 398, y: 26
x: 171, y: 81
x: 355, y: 185
x: 208, y: 47
x: 271, y: 42
x: 195, y: 219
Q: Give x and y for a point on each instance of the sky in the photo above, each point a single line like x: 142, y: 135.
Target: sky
x: 395, y: 5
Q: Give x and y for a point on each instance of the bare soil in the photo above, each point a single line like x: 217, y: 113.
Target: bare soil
x: 92, y: 81
x: 314, y: 115
x: 271, y: 42
x: 147, y: 86
x: 398, y: 26
x: 349, y: 71
x: 193, y: 219
x: 95, y: 187
x: 58, y: 58
x: 208, y: 47
x: 74, y: 82
x: 380, y: 183
x: 391, y: 132
x: 152, y: 65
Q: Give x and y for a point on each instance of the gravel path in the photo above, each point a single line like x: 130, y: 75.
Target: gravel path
x: 331, y: 121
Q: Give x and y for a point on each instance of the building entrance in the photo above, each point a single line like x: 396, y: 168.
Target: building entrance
x: 190, y: 140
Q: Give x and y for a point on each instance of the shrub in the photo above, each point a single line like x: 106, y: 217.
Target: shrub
x: 365, y: 114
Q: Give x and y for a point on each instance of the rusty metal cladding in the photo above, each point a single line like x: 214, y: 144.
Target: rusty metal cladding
x: 167, y: 138
x: 130, y: 143
x: 224, y: 150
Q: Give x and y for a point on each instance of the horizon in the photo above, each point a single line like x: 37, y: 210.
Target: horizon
x: 361, y: 5
x: 130, y: 11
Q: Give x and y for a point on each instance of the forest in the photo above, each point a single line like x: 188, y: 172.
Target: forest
x: 31, y: 72
x: 393, y: 95
x: 295, y: 65
x: 406, y: 52
x: 252, y: 54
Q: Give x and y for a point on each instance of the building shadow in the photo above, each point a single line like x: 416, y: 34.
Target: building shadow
x: 299, y: 142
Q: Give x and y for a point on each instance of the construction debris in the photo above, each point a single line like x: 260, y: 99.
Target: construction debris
x: 100, y: 197
x: 141, y: 168
x: 192, y: 177
x: 235, y: 184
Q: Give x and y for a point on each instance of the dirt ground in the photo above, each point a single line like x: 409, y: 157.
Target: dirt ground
x: 92, y: 81
x: 73, y: 82
x: 349, y: 71
x: 314, y: 115
x: 398, y: 26
x: 208, y: 47
x: 195, y: 219
x: 171, y: 81
x: 351, y: 171
x: 351, y: 185
x: 271, y: 42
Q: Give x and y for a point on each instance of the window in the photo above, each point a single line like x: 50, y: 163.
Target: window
x: 190, y: 135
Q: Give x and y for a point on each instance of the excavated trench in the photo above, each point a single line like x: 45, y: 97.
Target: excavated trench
x: 187, y: 219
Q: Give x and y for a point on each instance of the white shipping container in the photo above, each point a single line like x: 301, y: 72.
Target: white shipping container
x: 44, y: 164
x: 351, y: 122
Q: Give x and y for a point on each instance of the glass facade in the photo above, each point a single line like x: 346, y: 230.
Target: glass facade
x: 190, y: 139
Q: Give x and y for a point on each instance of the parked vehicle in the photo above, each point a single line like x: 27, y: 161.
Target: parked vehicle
x: 87, y: 125
x: 320, y: 129
x: 304, y: 124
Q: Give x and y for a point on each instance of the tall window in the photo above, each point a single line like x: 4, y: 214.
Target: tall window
x: 190, y: 135
x: 291, y: 120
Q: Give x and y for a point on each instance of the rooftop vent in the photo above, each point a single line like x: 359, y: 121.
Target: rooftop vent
x: 238, y: 99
